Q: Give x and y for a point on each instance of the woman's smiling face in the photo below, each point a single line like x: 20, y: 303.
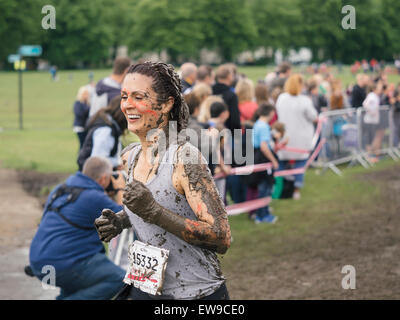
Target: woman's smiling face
x: 139, y: 104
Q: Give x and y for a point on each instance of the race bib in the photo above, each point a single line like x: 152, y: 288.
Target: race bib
x: 146, y: 268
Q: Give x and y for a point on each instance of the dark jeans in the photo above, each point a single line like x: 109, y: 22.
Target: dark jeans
x: 299, y: 178
x: 129, y: 292
x: 236, y: 188
x: 264, y: 190
x: 81, y: 137
x: 94, y: 278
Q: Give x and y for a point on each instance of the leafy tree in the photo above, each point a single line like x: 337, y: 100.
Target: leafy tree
x: 166, y: 24
x: 370, y: 37
x: 321, y: 27
x: 323, y: 31
x: 81, y: 35
x: 183, y: 27
x: 20, y: 23
x: 121, y: 20
x: 227, y: 26
x: 88, y: 32
x: 270, y: 16
x: 390, y: 10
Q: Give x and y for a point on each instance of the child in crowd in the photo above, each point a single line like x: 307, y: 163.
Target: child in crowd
x: 319, y: 101
x: 81, y: 114
x: 371, y: 118
x: 278, y: 136
x: 219, y: 114
x: 264, y: 180
x: 277, y: 142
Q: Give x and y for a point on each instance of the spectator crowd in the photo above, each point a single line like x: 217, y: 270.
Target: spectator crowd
x: 282, y: 109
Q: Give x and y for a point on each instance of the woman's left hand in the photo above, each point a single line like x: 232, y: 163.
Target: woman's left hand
x: 139, y: 199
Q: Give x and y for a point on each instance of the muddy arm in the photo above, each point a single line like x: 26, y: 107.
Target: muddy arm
x: 212, y: 227
x: 214, y: 236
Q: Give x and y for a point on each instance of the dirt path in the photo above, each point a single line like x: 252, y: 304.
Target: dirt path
x: 21, y: 203
x: 310, y: 267
x: 20, y: 215
x: 20, y: 212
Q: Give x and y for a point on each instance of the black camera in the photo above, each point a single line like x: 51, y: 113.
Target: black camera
x: 110, y: 187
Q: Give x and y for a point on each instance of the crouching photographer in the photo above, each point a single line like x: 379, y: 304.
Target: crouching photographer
x: 67, y: 238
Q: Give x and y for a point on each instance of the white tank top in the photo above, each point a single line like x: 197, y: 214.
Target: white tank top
x: 192, y: 272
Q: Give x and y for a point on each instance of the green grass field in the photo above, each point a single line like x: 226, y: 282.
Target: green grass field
x: 47, y: 142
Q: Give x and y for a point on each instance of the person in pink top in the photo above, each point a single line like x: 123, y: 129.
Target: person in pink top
x: 247, y: 107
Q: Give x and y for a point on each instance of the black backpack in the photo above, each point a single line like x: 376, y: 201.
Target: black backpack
x: 288, y: 188
x: 87, y: 146
x: 288, y: 184
x: 255, y: 178
x: 73, y: 194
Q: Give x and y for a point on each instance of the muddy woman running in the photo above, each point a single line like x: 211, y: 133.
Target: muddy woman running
x: 170, y: 199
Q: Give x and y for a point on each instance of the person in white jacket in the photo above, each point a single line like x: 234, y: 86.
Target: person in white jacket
x: 297, y: 113
x: 372, y: 135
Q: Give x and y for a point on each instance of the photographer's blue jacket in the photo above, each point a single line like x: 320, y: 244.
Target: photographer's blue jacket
x: 60, y: 244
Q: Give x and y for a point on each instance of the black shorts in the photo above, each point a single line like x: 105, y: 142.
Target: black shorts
x: 129, y: 292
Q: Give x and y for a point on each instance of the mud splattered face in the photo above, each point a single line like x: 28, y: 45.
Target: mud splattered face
x: 140, y: 104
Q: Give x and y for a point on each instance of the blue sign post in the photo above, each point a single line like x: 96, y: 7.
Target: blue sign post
x: 23, y: 51
x: 13, y: 58
x: 30, y: 51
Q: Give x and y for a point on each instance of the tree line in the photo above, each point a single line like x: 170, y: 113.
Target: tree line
x: 88, y: 32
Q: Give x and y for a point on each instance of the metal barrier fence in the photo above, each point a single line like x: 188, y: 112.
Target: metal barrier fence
x: 118, y: 248
x: 376, y: 133
x: 341, y: 136
x: 356, y: 136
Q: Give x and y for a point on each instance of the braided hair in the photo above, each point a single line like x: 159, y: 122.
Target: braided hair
x: 166, y: 83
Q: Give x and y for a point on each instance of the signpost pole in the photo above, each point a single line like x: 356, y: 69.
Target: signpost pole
x: 20, y: 96
x: 23, y: 51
